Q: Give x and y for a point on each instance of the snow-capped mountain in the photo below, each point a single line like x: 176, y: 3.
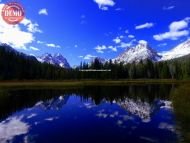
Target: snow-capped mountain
x: 181, y: 50
x: 141, y: 51
x: 56, y: 59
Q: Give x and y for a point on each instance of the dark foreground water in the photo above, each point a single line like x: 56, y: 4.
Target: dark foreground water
x: 121, y: 114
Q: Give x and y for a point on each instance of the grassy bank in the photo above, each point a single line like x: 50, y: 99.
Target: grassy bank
x: 86, y: 83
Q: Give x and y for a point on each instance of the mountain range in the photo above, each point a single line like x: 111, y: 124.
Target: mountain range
x: 54, y: 59
x: 143, y: 51
x: 16, y: 65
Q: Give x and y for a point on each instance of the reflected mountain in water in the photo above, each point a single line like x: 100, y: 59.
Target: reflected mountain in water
x: 143, y: 110
x: 54, y: 103
x: 89, y: 115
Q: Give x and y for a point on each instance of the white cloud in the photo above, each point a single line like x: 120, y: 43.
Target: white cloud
x: 162, y: 44
x: 40, y: 42
x: 114, y: 49
x: 143, y: 26
x: 118, y: 9
x: 187, y: 19
x: 104, y: 8
x: 172, y: 35
x: 127, y: 44
x: 83, y: 16
x: 53, y: 45
x: 169, y: 8
x: 34, y: 48
x: 121, y: 36
x: 177, y: 29
x: 178, y: 25
x: 31, y: 27
x: 143, y: 42
x: 131, y: 36
x: 83, y: 19
x: 43, y: 11
x: 101, y: 49
x: 126, y: 31
x: 104, y: 4
x: 117, y: 40
x: 88, y: 57
x: 16, y: 36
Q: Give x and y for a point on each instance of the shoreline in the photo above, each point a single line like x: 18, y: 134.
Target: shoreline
x: 69, y: 83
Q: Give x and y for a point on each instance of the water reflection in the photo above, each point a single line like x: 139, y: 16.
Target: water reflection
x: 12, y: 127
x: 143, y: 110
x: 90, y: 114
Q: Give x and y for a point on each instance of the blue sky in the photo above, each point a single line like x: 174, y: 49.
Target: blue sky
x: 83, y: 29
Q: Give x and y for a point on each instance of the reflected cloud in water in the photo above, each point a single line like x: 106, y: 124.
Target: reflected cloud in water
x: 13, y: 126
x: 75, y: 117
x: 19, y: 123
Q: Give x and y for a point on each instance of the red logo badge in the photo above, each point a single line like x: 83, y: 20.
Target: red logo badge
x: 12, y: 13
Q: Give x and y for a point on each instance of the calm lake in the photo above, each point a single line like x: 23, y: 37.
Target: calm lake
x: 95, y: 114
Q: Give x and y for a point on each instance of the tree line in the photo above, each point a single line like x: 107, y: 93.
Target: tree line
x: 145, y: 69
x: 14, y: 66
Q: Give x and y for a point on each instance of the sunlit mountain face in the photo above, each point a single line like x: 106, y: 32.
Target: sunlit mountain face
x: 180, y: 50
x: 87, y: 114
x: 142, y: 51
x: 56, y: 59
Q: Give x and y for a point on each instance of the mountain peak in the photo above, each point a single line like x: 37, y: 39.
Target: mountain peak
x: 143, y: 43
x: 58, y: 55
x: 141, y: 51
x: 55, y: 59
